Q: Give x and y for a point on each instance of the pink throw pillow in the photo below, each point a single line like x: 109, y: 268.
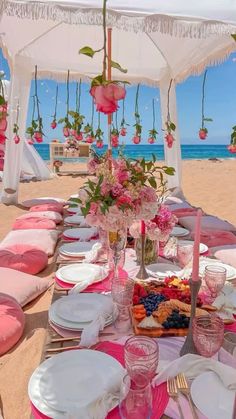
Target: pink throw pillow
x: 50, y: 215
x: 209, y: 222
x: 12, y: 322
x: 227, y: 254
x: 48, y: 207
x: 34, y: 223
x: 23, y: 287
x: 24, y: 258
x: 44, y: 200
x: 45, y: 240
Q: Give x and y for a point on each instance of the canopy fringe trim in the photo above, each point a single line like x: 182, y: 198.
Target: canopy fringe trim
x: 154, y: 23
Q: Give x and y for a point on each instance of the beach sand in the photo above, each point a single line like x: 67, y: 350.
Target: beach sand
x: 206, y: 184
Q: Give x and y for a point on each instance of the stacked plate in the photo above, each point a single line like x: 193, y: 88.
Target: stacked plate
x: 162, y: 270
x: 81, y: 273
x: 76, y: 249
x: 83, y: 234
x: 74, y: 210
x: 179, y: 232
x: 75, y: 312
x: 76, y: 220
x: 203, y: 248
x: 74, y: 383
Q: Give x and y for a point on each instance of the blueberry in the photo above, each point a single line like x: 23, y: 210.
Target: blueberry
x: 165, y: 325
x: 171, y: 323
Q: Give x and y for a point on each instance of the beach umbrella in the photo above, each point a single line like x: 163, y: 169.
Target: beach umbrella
x: 157, y: 42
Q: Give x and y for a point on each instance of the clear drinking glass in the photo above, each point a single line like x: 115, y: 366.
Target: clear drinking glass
x: 122, y: 294
x: 208, y: 334
x: 117, y: 241
x: 215, y: 277
x: 136, y: 398
x: 141, y: 356
x: 184, y: 254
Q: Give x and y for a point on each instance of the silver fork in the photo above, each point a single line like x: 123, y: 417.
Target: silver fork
x: 183, y: 387
x: 173, y: 393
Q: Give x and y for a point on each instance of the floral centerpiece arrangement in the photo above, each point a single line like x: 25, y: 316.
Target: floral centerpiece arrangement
x: 157, y: 230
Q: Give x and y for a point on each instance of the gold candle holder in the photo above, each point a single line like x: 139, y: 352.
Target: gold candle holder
x: 142, y: 273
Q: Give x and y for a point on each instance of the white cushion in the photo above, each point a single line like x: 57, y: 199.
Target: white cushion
x: 207, y: 222
x: 23, y: 287
x: 44, y: 200
x: 41, y: 239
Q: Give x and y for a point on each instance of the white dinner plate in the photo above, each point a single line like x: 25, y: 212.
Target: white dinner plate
x: 76, y: 308
x: 179, y: 232
x: 230, y: 270
x: 164, y: 269
x: 75, y: 219
x: 76, y: 248
x: 202, y: 248
x: 80, y: 233
x: 73, y: 380
x: 211, y: 397
x: 81, y: 272
x: 75, y: 210
x: 90, y: 299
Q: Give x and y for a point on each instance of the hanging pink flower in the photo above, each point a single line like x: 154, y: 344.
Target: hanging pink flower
x: 66, y: 132
x: 136, y: 139
x: 38, y: 137
x: 53, y: 124
x: 2, y: 137
x: 30, y: 141
x: 169, y: 140
x: 90, y: 139
x: 73, y: 132
x: 106, y: 97
x: 16, y: 139
x: 99, y: 144
x: 79, y: 137
x: 123, y: 132
x: 232, y: 148
x: 202, y: 133
x: 151, y: 140
x: 114, y: 140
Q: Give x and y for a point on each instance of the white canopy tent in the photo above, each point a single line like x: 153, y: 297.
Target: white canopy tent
x: 155, y: 41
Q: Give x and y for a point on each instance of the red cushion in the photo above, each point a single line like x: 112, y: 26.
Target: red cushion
x: 12, y: 322
x: 57, y: 207
x: 34, y: 223
x: 24, y: 258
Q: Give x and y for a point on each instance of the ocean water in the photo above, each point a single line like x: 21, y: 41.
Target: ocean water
x: 189, y: 152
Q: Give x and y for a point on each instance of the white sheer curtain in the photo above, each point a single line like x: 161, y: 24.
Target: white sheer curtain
x: 33, y: 163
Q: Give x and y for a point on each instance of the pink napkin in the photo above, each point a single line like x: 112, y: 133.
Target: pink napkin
x: 68, y: 239
x: 231, y: 327
x: 213, y: 238
x: 160, y: 396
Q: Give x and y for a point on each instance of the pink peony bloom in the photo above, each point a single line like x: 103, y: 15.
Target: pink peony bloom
x: 53, y: 124
x: 136, y: 139
x: 122, y: 175
x: 16, y: 139
x: 124, y: 200
x: 66, y: 132
x: 106, y: 97
x: 165, y: 220
x: 151, y: 140
x: 117, y: 190
x: 123, y: 132
x: 105, y: 188
x: 169, y: 140
x: 3, y: 124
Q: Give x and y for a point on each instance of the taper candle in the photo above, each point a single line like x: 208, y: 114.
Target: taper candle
x: 195, y: 271
x: 143, y: 228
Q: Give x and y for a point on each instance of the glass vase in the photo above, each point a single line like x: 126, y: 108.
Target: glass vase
x: 117, y: 242
x: 151, y: 250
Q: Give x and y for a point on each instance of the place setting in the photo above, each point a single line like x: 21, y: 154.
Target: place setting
x: 80, y: 276
x: 76, y: 220
x: 81, y: 234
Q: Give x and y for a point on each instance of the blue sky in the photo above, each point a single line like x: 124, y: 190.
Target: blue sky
x: 220, y: 104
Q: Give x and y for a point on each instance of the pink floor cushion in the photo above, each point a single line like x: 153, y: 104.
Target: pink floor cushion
x: 34, y: 223
x: 213, y: 238
x: 44, y: 200
x: 12, y: 322
x: 24, y: 258
x: 45, y: 240
x: 21, y: 286
x: 48, y: 207
x: 227, y: 254
x: 209, y: 222
x: 50, y: 215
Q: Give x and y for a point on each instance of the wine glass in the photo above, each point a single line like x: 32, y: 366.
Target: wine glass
x: 122, y: 290
x: 208, y: 334
x: 141, y: 355
x: 135, y: 398
x: 215, y: 277
x: 117, y: 241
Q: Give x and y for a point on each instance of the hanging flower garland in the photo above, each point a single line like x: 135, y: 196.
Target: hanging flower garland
x: 65, y: 121
x: 203, y: 131
x: 153, y: 132
x: 170, y: 126
x: 88, y: 129
x: 78, y: 119
x: 138, y: 127
x: 123, y: 124
x: 115, y: 132
x: 54, y: 121
x: 16, y: 126
x: 35, y: 130
x: 99, y: 133
x: 105, y: 93
x: 3, y: 112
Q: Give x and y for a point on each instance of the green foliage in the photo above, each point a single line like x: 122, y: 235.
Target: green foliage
x: 87, y: 51
x: 118, y: 67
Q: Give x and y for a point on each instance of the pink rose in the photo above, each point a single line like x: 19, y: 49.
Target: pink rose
x: 53, y: 124
x: 123, y: 132
x: 79, y: 137
x: 106, y: 97
x: 202, y: 133
x: 73, y: 132
x: 114, y: 140
x: 93, y: 208
x: 16, y: 139
x: 66, y: 132
x: 99, y: 144
x: 122, y: 175
x: 151, y: 140
x: 38, y: 137
x: 136, y: 139
x: 232, y: 148
x: 90, y: 139
x: 169, y: 140
x: 124, y: 200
